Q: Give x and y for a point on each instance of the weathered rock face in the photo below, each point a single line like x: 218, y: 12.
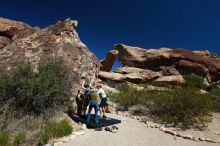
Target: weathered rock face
x: 137, y: 75
x: 141, y: 58
x: 59, y: 41
x: 168, y: 71
x: 175, y: 79
x: 4, y: 41
x: 9, y: 28
x: 108, y: 62
x: 110, y: 76
x: 127, y: 70
x: 194, y: 67
x: 198, y: 62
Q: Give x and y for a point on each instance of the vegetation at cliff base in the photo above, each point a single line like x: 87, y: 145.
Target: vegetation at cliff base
x: 184, y: 106
x: 19, y: 138
x: 194, y: 81
x: 29, y: 92
x: 6, y: 139
x: 55, y: 130
x: 26, y: 95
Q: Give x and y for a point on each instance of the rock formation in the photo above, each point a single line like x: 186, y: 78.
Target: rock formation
x: 108, y: 62
x: 198, y: 62
x: 21, y: 43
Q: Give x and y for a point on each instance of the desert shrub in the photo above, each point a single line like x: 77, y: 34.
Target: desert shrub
x: 3, y: 87
x: 194, y: 81
x: 128, y: 96
x: 182, y: 106
x: 215, y: 91
x: 111, y: 83
x: 5, y: 138
x: 55, y: 130
x: 19, y: 138
x: 33, y: 93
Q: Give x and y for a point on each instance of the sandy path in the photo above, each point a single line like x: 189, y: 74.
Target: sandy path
x: 131, y: 133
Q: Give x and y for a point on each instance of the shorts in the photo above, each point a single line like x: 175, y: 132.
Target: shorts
x: 103, y: 102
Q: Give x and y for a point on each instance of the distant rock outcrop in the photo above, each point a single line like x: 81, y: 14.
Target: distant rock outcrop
x: 198, y: 62
x: 21, y: 43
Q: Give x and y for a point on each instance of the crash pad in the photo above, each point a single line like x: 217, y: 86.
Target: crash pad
x: 102, y: 122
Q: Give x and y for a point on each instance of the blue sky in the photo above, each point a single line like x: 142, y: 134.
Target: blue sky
x: 191, y: 24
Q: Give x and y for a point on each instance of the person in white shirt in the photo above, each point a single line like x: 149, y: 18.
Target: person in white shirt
x: 103, y: 103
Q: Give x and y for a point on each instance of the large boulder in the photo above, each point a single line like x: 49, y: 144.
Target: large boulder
x: 137, y: 75
x: 194, y: 67
x: 59, y: 42
x: 130, y: 74
x: 111, y: 76
x: 142, y: 58
x: 108, y: 62
x: 127, y: 70
x: 132, y: 77
x: 201, y: 63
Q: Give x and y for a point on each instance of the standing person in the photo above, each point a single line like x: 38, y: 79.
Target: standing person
x: 86, y: 99
x: 93, y: 104
x: 79, y: 102
x: 103, y: 103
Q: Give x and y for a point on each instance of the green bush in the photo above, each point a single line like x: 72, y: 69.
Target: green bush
x: 19, y: 138
x: 111, y: 83
x: 3, y: 87
x: 194, y: 81
x: 183, y: 107
x: 215, y: 91
x: 5, y: 138
x: 56, y: 130
x: 33, y: 93
x: 128, y: 96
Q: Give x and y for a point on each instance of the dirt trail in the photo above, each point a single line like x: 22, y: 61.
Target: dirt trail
x: 131, y: 133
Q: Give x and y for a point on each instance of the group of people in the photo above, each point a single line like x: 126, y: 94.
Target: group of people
x: 91, y: 97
